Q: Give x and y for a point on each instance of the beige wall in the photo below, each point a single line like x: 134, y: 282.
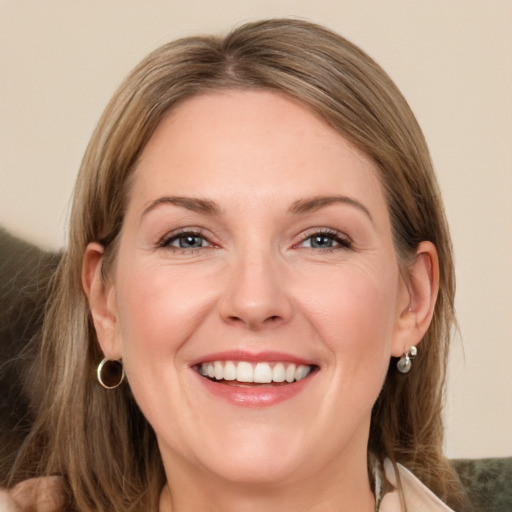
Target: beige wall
x: 61, y: 60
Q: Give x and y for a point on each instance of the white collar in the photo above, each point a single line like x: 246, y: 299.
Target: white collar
x: 416, y: 495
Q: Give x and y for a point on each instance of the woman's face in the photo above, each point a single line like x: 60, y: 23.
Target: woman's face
x: 256, y: 298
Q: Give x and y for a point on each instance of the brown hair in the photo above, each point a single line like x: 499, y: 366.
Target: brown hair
x: 89, y: 435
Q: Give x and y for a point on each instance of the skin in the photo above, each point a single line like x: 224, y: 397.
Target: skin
x: 258, y: 283
x: 39, y: 494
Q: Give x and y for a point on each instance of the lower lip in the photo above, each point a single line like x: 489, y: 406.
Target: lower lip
x: 257, y: 396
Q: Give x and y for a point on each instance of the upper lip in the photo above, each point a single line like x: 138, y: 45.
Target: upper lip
x: 256, y: 357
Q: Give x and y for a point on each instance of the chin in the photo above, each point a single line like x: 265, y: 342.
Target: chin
x: 249, y: 455
x: 257, y: 467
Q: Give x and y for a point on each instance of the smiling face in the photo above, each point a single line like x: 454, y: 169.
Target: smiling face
x: 256, y: 297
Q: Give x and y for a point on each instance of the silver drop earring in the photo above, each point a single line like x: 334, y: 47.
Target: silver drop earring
x: 405, y: 362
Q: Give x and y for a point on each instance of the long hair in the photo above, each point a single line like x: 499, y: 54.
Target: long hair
x: 98, y: 440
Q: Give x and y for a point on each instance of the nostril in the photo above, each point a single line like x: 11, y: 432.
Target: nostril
x: 254, y: 323
x: 272, y: 318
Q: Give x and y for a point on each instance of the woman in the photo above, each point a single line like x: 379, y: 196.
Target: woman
x: 258, y: 243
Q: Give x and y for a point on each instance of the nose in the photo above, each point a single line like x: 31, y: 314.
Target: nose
x: 256, y: 295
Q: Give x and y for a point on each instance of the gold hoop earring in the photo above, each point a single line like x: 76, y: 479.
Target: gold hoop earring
x: 110, y: 373
x: 405, y: 362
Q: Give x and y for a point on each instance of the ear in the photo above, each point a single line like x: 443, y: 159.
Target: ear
x: 102, y: 301
x: 421, y: 283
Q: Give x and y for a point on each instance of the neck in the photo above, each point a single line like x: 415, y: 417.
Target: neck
x: 343, y: 488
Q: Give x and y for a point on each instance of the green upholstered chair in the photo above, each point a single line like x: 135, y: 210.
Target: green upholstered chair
x: 488, y: 482
x: 25, y: 271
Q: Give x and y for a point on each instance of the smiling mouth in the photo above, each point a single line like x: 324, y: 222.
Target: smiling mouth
x: 244, y: 373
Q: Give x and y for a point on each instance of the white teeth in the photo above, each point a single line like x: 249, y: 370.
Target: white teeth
x: 244, y: 372
x: 278, y: 373
x: 229, y: 371
x: 289, y: 374
x: 261, y: 373
x: 219, y: 370
x: 301, y: 372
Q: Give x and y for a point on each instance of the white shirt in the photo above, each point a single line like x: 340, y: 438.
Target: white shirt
x: 418, y: 498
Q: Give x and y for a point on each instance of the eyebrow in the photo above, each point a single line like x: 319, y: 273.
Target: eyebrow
x: 190, y: 203
x: 315, y: 203
x: 301, y: 206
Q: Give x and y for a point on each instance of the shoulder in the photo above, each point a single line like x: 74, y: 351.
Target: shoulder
x: 38, y: 494
x: 418, y: 497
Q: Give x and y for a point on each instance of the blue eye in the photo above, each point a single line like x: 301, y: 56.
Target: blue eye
x: 188, y: 240
x: 325, y: 240
x: 321, y: 241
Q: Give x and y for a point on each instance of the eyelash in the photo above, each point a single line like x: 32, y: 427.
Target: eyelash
x: 168, y: 239
x: 329, y: 234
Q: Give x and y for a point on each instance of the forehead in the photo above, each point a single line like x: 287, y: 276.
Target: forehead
x: 250, y: 142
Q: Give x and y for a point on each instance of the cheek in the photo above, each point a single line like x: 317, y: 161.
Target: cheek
x: 354, y: 311
x: 158, y: 305
x: 159, y: 310
x: 355, y: 303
